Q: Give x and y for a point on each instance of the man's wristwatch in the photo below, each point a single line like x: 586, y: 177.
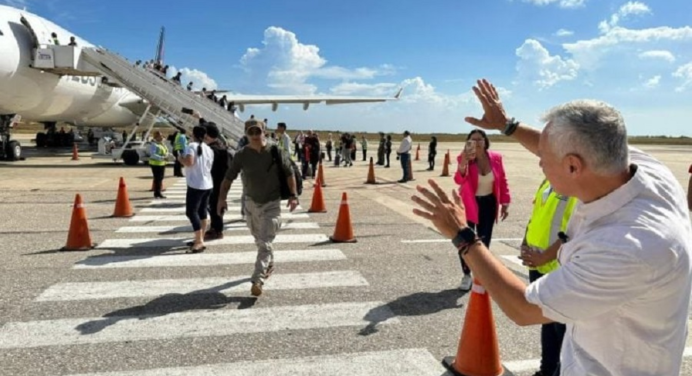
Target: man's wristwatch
x: 510, y: 127
x: 464, y: 239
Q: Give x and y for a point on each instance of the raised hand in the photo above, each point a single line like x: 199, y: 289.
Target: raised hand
x: 494, y: 117
x: 447, y: 216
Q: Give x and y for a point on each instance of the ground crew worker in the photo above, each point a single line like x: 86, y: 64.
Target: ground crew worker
x: 157, y: 161
x: 551, y: 213
x: 177, y: 148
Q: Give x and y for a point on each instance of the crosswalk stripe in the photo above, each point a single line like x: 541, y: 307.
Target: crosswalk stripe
x: 209, y: 323
x: 180, y: 242
x: 206, y: 259
x: 225, y: 285
x: 179, y: 210
x: 183, y: 190
x: 405, y: 362
x: 239, y: 226
x: 181, y: 218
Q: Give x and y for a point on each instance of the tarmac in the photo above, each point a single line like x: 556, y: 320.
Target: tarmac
x: 136, y: 304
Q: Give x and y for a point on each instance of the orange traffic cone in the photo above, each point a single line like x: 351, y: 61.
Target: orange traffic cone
x: 123, y: 208
x: 371, y: 173
x: 78, y: 238
x: 418, y: 153
x: 320, y: 176
x: 75, y: 152
x: 445, y: 166
x: 478, y: 353
x: 343, y: 232
x: 317, y: 205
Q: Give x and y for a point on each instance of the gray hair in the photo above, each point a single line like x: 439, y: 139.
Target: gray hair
x: 594, y: 130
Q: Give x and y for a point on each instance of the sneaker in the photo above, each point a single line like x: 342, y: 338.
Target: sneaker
x: 256, y: 289
x: 466, y: 283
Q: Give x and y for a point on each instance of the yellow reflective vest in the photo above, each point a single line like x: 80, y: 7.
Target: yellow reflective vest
x: 157, y: 154
x: 551, y: 213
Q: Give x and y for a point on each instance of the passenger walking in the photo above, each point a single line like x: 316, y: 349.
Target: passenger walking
x: 269, y: 177
x: 198, y: 159
x: 222, y: 160
x: 432, y: 152
x: 388, y: 149
x: 157, y: 161
x: 483, y: 187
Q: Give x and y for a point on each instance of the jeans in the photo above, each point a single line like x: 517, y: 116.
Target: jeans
x: 405, y: 158
x: 216, y: 220
x: 551, y: 340
x: 196, y: 206
x: 487, y: 213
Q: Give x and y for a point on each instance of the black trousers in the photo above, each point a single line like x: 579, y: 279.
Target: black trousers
x: 196, y: 206
x: 365, y: 154
x: 216, y: 219
x: 158, y: 172
x: 487, y: 213
x: 177, y: 166
x: 551, y: 340
x: 431, y: 160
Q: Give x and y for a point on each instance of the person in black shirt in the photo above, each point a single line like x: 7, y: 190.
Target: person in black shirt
x: 222, y: 160
x: 432, y: 152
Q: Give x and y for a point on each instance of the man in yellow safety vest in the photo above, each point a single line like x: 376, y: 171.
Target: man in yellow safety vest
x: 157, y: 161
x: 542, y: 240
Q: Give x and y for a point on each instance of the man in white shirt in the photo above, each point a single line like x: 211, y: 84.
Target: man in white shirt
x: 623, y: 287
x: 284, y: 140
x: 404, y: 154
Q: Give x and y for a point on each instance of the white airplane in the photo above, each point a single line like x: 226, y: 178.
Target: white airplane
x: 48, y: 98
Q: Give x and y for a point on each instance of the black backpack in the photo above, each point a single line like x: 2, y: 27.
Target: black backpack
x: 285, y: 191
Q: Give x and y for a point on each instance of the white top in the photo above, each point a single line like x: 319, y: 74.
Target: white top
x: 623, y: 287
x: 198, y: 176
x: 485, y: 184
x: 405, y: 145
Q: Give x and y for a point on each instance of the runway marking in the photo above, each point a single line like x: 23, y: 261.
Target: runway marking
x: 206, y: 259
x: 513, y: 259
x: 182, y: 218
x: 180, y: 242
x: 239, y: 226
x: 181, y: 210
x: 198, y: 323
x: 223, y: 285
x: 442, y: 240
x: 406, y: 362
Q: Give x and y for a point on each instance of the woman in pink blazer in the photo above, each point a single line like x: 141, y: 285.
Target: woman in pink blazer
x: 483, y: 188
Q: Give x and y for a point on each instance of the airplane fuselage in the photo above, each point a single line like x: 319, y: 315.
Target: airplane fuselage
x: 46, y: 97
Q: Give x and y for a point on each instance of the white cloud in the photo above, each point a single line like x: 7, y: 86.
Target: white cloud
x: 567, y: 4
x: 652, y: 82
x: 684, y: 72
x: 286, y: 65
x: 658, y: 54
x: 199, y: 79
x: 564, y: 33
x: 589, y: 52
x: 537, y: 65
x: 628, y: 9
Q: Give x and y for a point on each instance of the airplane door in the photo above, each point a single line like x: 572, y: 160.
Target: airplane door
x: 34, y: 38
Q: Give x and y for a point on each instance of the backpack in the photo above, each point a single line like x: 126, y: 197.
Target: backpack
x: 285, y: 190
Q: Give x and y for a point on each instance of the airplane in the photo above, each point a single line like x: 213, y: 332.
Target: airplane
x: 45, y: 97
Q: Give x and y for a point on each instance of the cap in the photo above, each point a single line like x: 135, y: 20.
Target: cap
x: 254, y: 123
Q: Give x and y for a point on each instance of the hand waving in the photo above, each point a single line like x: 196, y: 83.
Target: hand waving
x: 494, y: 117
x: 448, y: 217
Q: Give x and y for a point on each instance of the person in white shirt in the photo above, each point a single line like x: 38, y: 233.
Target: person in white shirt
x: 284, y: 140
x: 198, y: 159
x: 623, y: 287
x: 404, y: 154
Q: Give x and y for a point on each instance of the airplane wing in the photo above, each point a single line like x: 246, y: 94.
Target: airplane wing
x: 275, y: 100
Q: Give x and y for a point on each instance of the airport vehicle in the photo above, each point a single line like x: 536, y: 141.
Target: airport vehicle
x: 44, y: 80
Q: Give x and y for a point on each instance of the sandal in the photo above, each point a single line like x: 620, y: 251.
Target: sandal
x: 198, y: 250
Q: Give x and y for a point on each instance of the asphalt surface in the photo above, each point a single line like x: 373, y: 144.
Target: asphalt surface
x: 387, y: 303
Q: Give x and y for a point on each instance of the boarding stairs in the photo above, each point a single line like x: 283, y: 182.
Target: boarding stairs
x: 167, y: 95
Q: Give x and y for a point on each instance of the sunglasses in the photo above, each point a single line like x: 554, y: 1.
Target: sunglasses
x: 254, y: 131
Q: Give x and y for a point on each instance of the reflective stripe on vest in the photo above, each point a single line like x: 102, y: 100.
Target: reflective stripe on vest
x: 162, y: 151
x: 551, y: 213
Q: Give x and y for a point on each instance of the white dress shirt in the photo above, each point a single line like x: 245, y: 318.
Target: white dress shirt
x: 405, y: 145
x: 623, y: 287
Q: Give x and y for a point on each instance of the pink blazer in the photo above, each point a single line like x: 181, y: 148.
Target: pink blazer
x: 469, y: 185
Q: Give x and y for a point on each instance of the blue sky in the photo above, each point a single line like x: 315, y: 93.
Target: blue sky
x: 636, y: 55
